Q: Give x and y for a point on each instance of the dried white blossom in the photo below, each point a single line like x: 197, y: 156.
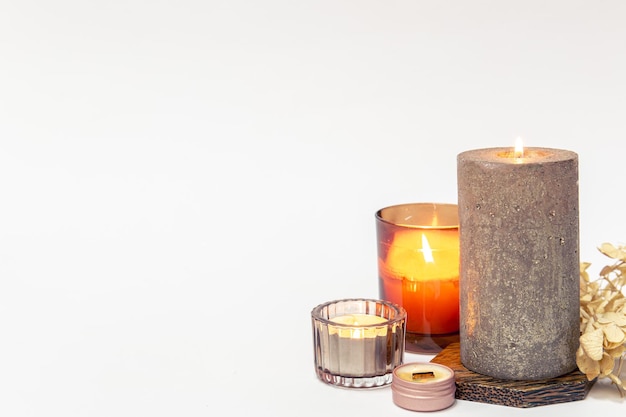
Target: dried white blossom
x: 603, y: 319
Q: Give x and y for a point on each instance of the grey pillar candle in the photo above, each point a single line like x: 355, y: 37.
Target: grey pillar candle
x: 519, y: 262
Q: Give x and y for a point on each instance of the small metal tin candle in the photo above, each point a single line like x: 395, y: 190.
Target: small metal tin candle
x: 358, y: 342
x: 423, y: 386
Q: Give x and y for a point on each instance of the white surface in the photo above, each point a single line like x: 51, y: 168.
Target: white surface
x: 182, y: 182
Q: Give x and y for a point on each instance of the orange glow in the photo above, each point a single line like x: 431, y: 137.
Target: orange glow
x: 421, y: 273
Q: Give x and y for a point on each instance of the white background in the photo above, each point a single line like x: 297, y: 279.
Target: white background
x: 181, y: 182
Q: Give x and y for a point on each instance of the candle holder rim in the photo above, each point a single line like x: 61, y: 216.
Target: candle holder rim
x: 494, y: 155
x: 399, y: 316
x: 451, y: 373
x: 449, y: 206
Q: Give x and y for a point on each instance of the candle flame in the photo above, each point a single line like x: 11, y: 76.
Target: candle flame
x: 519, y: 148
x: 428, y: 253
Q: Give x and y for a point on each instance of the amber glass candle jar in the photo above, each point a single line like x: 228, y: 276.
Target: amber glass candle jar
x: 418, y: 268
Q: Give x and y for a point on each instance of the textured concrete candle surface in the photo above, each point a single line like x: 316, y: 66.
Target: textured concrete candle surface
x: 519, y: 267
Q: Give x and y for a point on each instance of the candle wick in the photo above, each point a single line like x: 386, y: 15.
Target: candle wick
x: 519, y: 148
x: 422, y: 375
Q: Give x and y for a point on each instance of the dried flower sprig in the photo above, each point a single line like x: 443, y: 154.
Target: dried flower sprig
x: 603, y: 319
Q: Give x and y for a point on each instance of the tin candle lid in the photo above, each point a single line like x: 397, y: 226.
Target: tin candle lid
x: 423, y: 386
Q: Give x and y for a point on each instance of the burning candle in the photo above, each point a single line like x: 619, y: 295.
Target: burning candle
x: 418, y: 265
x: 358, y: 342
x: 519, y: 298
x: 358, y: 326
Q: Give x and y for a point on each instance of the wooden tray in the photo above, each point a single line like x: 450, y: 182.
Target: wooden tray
x: 472, y: 386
